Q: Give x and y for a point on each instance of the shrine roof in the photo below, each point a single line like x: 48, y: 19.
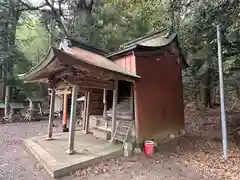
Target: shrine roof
x: 82, y: 57
x: 154, y: 40
x: 157, y: 39
x: 88, y: 47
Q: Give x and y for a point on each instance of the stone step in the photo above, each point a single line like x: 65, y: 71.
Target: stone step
x: 124, y: 114
x: 123, y: 98
x: 120, y: 116
x: 120, y: 113
x: 123, y: 106
x: 102, y: 133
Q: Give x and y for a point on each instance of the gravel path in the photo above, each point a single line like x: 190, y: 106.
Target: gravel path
x: 187, y: 158
x: 15, y: 162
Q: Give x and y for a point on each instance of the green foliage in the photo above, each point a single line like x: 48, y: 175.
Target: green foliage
x: 119, y: 21
x: 109, y: 23
x: 197, y: 30
x: 33, y: 40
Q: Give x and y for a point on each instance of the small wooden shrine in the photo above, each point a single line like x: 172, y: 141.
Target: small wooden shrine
x: 139, y: 85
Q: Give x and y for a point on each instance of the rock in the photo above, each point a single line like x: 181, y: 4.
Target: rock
x: 128, y: 146
x: 182, y: 132
x: 127, y: 153
x: 137, y: 150
x: 172, y: 136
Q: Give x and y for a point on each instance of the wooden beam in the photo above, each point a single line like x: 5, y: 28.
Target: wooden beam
x: 104, y: 104
x: 72, y: 121
x: 84, y: 111
x: 62, y: 86
x: 90, y: 83
x: 85, y: 89
x: 114, y: 113
x: 62, y: 92
x: 132, y: 101
x: 107, y: 74
x: 51, y: 114
x: 96, y: 84
x: 78, y: 64
x: 86, y: 75
x: 135, y: 113
x: 67, y: 89
x: 105, y: 107
x: 87, y: 112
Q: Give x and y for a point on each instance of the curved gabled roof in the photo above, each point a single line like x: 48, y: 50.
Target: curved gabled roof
x: 155, y: 40
x: 81, y: 59
x: 158, y: 39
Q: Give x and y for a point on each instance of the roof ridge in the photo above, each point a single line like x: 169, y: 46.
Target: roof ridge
x: 142, y: 38
x: 86, y: 46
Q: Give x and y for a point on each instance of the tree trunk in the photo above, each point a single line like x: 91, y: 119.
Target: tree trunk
x: 3, y: 48
x: 237, y: 89
x: 207, y: 97
x: 206, y: 82
x: 11, y: 22
x: 7, y: 99
x: 84, y: 20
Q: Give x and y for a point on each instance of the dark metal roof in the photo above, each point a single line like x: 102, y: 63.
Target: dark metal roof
x: 152, y: 36
x: 88, y: 47
x: 154, y: 40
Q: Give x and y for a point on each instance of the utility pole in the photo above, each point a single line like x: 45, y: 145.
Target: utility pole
x: 223, y: 115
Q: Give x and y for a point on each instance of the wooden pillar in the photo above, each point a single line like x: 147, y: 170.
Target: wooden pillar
x: 135, y: 114
x: 87, y: 112
x: 105, y: 108
x: 65, y: 111
x: 84, y: 110
x: 114, y: 113
x: 51, y: 114
x: 132, y: 101
x: 72, y: 121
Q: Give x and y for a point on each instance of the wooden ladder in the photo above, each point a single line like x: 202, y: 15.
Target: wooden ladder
x: 122, y: 131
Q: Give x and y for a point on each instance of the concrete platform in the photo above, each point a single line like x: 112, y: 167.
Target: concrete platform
x: 89, y: 151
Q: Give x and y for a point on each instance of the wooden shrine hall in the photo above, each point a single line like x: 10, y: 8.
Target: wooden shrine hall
x: 141, y: 84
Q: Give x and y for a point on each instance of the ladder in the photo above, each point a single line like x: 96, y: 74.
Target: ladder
x: 122, y: 131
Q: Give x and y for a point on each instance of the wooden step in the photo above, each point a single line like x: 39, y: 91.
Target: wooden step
x: 121, y: 135
x: 119, y: 138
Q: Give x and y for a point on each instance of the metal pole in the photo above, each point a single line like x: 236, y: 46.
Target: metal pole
x: 223, y: 116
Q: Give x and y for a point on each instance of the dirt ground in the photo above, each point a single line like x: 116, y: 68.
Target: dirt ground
x: 195, y: 156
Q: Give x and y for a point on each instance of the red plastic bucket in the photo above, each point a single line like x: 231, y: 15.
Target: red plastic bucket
x: 149, y: 147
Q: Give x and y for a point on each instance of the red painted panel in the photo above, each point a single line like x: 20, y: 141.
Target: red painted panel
x: 127, y: 62
x: 133, y: 64
x: 159, y: 96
